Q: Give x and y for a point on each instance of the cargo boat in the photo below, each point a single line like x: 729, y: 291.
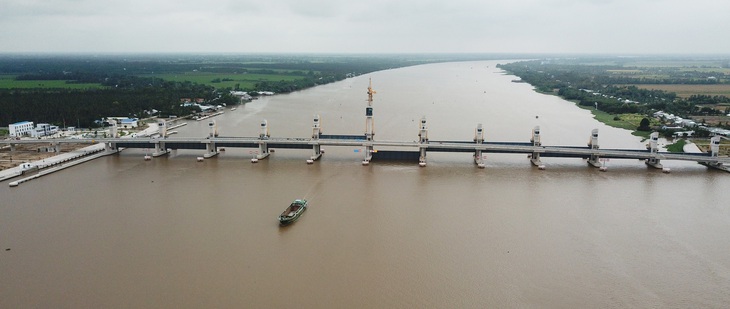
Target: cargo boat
x: 293, y: 212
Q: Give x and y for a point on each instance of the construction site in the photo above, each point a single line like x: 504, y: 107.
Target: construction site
x: 23, y: 153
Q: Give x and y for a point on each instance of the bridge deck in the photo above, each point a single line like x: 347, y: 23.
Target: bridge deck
x: 390, y: 148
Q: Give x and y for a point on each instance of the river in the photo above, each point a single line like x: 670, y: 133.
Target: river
x: 122, y: 232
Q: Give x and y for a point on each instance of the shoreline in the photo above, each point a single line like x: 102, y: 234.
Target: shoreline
x: 53, y: 164
x: 598, y: 115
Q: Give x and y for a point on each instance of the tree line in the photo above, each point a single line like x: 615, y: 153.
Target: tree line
x: 129, y: 91
x: 590, y: 85
x: 132, y: 97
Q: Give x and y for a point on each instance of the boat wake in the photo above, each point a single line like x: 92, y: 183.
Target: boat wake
x: 314, y: 189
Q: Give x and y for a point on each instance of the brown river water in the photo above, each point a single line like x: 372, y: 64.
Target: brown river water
x: 121, y: 232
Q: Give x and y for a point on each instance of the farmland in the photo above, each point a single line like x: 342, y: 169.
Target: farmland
x: 628, y: 89
x: 685, y: 91
x: 227, y: 80
x: 53, y: 88
x: 9, y: 82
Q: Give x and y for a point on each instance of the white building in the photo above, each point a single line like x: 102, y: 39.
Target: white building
x: 44, y: 129
x: 126, y: 122
x: 129, y: 122
x: 21, y: 128
x: 242, y: 95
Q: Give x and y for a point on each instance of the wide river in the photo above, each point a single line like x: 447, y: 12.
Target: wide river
x: 122, y: 232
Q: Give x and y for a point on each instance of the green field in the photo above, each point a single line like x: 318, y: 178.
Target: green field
x: 244, y: 80
x: 677, y: 146
x: 9, y: 82
x: 227, y: 80
x: 624, y: 121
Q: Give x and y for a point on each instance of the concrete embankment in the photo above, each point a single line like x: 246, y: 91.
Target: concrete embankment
x: 10, y: 174
x: 56, y: 163
x: 691, y: 148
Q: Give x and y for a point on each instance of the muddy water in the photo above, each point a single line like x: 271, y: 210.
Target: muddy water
x: 176, y: 233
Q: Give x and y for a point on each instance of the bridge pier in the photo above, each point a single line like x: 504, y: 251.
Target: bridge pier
x: 479, y: 139
x: 316, y: 132
x: 535, y: 156
x: 594, y: 159
x: 317, y: 152
x: 422, y: 142
x: 160, y: 149
x: 368, y: 154
x: 653, y: 149
x: 263, y: 137
x: 210, y: 149
x: 110, y: 147
x: 714, y: 153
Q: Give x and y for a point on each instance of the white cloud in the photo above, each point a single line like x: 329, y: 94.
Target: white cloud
x: 610, y: 26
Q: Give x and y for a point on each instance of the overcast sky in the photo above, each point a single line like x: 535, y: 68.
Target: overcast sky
x: 362, y: 26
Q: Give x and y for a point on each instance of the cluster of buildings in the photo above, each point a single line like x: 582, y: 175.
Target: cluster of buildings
x: 29, y: 129
x: 125, y: 122
x: 675, y: 122
x: 199, y: 103
x: 242, y: 95
x: 680, y: 125
x: 596, y: 93
x: 26, y: 128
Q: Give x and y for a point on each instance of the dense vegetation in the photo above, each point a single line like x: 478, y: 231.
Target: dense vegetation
x: 79, y: 89
x: 612, y: 87
x: 135, y: 97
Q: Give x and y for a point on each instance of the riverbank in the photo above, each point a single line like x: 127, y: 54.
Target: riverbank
x: 612, y: 120
x: 25, y: 153
x: 50, y: 164
x: 63, y: 163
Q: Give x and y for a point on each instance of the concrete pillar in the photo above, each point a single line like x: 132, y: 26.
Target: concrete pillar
x: 479, y: 139
x: 535, y: 157
x: 368, y: 154
x: 162, y: 127
x: 422, y: 142
x: 263, y: 136
x: 593, y: 144
x: 160, y: 149
x: 715, y: 146
x: 654, y: 150
x: 110, y: 147
x: 316, y: 132
x: 210, y: 149
x: 213, y: 129
x: 114, y: 129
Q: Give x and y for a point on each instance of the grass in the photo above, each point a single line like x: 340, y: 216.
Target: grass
x: 704, y: 145
x: 245, y: 80
x: 9, y: 82
x: 678, y: 146
x: 625, y: 121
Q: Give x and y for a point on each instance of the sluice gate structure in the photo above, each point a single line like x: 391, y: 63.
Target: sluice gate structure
x: 415, y: 151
